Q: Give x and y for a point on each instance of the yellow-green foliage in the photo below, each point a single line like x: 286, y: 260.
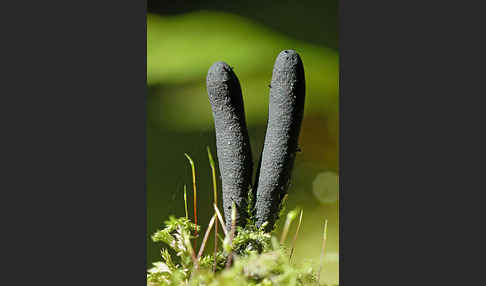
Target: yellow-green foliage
x: 266, y: 269
x: 250, y: 240
x: 176, y: 235
x: 259, y: 260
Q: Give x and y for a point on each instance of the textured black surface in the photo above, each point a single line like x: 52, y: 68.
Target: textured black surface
x: 285, y: 111
x: 233, y: 145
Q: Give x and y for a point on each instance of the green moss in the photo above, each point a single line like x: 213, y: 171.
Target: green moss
x: 176, y: 235
x: 250, y: 210
x: 258, y: 258
x: 250, y: 240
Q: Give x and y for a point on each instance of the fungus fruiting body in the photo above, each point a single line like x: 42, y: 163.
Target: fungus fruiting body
x: 285, y: 112
x: 232, y: 142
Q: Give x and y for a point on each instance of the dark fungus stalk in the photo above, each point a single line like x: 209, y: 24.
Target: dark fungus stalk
x: 232, y: 142
x: 286, y: 108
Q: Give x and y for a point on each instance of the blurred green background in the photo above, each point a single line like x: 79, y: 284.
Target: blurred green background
x: 183, y: 39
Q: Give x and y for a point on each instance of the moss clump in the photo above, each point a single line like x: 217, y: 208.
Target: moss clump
x: 177, y: 235
x: 251, y: 240
x: 258, y: 259
x: 266, y: 269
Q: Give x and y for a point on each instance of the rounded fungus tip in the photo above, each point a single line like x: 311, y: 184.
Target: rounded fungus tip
x: 220, y: 71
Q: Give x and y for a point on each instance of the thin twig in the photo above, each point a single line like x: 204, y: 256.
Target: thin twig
x: 206, y: 235
x: 220, y: 218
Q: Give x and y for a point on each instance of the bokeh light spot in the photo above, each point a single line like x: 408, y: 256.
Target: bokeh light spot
x: 326, y: 187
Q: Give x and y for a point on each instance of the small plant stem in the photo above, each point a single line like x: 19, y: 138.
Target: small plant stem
x: 193, y: 255
x: 296, y: 234
x: 288, y: 221
x: 215, y: 194
x: 220, y: 218
x: 282, y: 208
x: 195, y: 194
x: 232, y: 234
x: 220, y: 238
x: 206, y: 235
x: 285, y: 230
x: 185, y: 201
x: 324, y: 239
x: 194, y: 258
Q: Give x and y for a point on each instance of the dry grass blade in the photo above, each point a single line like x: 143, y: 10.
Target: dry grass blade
x: 206, y: 235
x: 220, y: 218
x: 296, y: 234
x: 324, y: 239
